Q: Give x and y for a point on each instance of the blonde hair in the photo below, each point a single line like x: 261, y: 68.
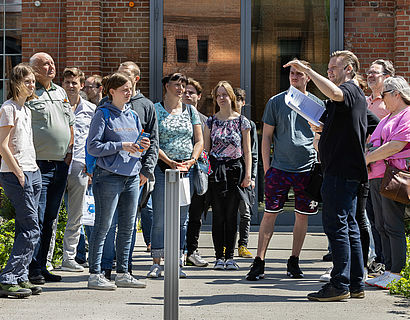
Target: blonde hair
x: 230, y: 92
x: 16, y: 84
x: 349, y: 59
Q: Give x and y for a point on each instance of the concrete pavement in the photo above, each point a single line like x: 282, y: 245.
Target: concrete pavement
x: 209, y: 294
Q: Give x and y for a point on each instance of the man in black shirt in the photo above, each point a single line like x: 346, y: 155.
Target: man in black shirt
x: 341, y: 149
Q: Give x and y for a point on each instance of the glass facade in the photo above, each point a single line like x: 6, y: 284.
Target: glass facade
x: 10, y: 40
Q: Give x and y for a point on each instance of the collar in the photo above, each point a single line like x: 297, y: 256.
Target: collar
x: 40, y: 86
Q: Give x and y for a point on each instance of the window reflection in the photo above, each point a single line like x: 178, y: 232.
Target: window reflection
x: 203, y: 42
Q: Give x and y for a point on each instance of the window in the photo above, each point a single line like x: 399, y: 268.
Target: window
x: 202, y: 50
x: 182, y: 50
x: 10, y: 41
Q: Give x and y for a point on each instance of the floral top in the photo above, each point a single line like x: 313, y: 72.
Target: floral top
x: 226, y: 137
x: 176, y: 132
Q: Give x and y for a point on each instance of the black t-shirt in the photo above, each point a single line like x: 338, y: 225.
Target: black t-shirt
x: 342, y: 142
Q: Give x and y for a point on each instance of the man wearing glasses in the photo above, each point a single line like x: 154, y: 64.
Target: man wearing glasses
x: 341, y: 149
x: 93, y: 88
x: 379, y: 71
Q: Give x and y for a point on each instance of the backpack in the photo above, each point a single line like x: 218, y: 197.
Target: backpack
x: 91, y: 161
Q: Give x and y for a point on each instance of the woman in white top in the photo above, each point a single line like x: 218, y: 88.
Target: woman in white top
x: 21, y: 180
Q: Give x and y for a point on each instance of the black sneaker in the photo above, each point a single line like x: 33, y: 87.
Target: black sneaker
x: 107, y: 274
x: 293, y: 268
x: 357, y: 293
x: 37, y: 279
x: 329, y: 293
x: 327, y: 257
x: 257, y: 270
x: 50, y: 277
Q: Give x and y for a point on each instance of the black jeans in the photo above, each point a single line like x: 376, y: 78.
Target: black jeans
x: 196, y: 209
x: 362, y: 196
x: 376, y: 236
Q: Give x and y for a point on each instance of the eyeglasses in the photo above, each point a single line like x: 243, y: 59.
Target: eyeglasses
x: 384, y: 93
x: 374, y: 73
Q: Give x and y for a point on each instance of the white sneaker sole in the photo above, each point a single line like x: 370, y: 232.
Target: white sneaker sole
x: 71, y: 269
x: 106, y: 288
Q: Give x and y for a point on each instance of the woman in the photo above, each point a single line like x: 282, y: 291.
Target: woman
x: 180, y: 145
x: 227, y: 139
x: 390, y: 143
x: 21, y: 180
x: 113, y: 132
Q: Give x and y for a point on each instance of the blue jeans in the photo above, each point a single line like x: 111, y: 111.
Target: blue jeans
x: 339, y: 222
x: 113, y: 192
x: 27, y: 231
x: 158, y: 206
x: 54, y: 179
x: 109, y: 253
x: 81, y: 256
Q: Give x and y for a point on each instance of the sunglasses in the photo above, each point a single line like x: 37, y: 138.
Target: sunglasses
x: 384, y: 92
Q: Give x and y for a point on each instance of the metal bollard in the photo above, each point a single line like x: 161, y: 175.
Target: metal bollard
x: 171, y: 265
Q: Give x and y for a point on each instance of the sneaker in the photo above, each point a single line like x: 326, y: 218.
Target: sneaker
x: 257, y: 270
x: 375, y: 269
x: 49, y: 266
x: 107, y: 274
x: 219, y: 264
x: 327, y: 257
x: 357, y: 294
x: 154, y: 271
x: 182, y: 274
x: 14, y: 290
x: 329, y: 293
x: 386, y: 281
x: 71, y: 266
x: 230, y: 264
x: 196, y: 260
x: 28, y: 285
x: 125, y: 280
x: 99, y: 282
x: 244, y: 252
x: 37, y: 279
x: 50, y: 277
x: 372, y: 281
x: 293, y: 269
x: 326, y: 276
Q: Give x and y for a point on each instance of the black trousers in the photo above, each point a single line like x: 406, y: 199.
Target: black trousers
x: 362, y: 196
x: 196, y: 208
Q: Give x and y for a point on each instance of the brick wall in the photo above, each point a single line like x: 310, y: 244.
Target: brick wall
x: 95, y: 35
x: 379, y: 29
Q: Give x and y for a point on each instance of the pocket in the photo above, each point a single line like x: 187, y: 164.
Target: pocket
x: 39, y: 110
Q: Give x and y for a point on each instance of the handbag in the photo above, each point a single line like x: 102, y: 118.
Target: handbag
x: 184, y: 192
x: 312, y: 189
x: 201, y: 170
x: 88, y: 217
x: 395, y: 184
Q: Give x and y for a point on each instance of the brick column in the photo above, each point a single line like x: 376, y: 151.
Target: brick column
x: 402, y: 38
x: 84, y: 35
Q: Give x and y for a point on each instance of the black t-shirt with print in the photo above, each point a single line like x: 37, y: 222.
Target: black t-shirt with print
x: 342, y: 142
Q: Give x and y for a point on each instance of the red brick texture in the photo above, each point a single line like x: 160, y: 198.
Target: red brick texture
x: 379, y: 29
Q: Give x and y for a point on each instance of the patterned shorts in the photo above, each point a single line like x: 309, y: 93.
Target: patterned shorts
x: 277, y: 186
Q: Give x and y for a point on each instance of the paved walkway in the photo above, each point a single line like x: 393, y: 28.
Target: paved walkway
x: 209, y: 294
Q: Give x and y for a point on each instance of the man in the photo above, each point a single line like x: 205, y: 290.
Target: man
x: 192, y: 96
x: 379, y: 71
x: 244, y: 209
x: 77, y: 181
x: 93, y: 88
x: 52, y: 121
x: 293, y: 157
x: 148, y: 117
x: 341, y: 149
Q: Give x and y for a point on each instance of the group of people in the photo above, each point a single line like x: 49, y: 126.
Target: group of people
x: 48, y: 134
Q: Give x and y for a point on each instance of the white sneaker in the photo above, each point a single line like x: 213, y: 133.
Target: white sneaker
x: 230, y: 264
x: 125, y: 280
x: 326, y: 276
x: 385, y: 282
x: 71, y: 266
x: 154, y: 271
x: 99, y: 282
x: 196, y: 260
x: 372, y: 281
x: 219, y: 265
x: 182, y: 274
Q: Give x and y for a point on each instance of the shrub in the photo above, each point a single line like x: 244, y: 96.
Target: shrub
x: 6, y: 241
x: 402, y: 287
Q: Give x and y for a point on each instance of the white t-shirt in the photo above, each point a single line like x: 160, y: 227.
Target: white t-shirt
x: 21, y: 136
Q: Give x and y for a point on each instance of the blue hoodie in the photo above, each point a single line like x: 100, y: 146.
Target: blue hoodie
x: 105, y: 140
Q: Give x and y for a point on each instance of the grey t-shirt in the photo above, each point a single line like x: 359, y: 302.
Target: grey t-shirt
x: 293, y: 149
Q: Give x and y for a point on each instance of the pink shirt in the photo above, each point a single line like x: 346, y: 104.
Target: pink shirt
x: 391, y: 128
x: 377, y: 106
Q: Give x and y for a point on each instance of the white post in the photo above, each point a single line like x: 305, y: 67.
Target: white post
x: 171, y: 244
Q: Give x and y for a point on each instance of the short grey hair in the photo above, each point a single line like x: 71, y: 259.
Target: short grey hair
x: 387, y: 65
x: 35, y: 57
x: 400, y: 85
